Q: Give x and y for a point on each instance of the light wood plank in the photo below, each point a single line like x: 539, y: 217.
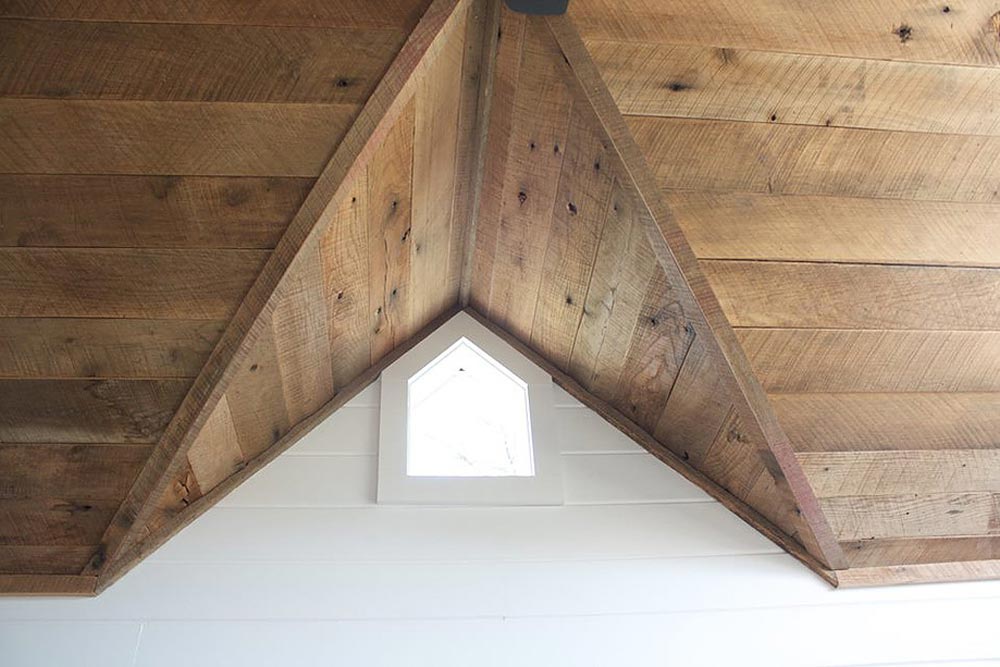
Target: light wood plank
x: 79, y: 348
x: 855, y: 422
x: 390, y: 245
x: 187, y: 138
x: 838, y: 229
x: 928, y: 550
x: 894, y: 575
x: 578, y: 218
x: 962, y: 34
x: 839, y: 360
x: 256, y: 399
x: 87, y: 411
x: 47, y: 584
x: 769, y: 158
x: 913, y: 515
x: 402, y: 14
x: 147, y: 211
x: 44, y: 559
x: 881, y: 473
x: 855, y: 296
x: 181, y: 62
x: 216, y: 453
x: 78, y: 472
x: 126, y: 283
x: 735, y: 84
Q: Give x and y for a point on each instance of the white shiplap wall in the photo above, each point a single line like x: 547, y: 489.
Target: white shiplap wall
x: 299, y: 567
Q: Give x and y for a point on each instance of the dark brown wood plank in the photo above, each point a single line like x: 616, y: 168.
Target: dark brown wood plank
x: 401, y: 14
x: 147, y: 211
x: 129, y: 283
x: 44, y: 559
x: 87, y: 411
x: 855, y: 296
x: 119, y: 61
x: 854, y: 422
x: 187, y: 138
x: 76, y: 472
x: 90, y: 348
x: 54, y: 521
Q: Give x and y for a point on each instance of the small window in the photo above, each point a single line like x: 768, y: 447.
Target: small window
x: 466, y: 419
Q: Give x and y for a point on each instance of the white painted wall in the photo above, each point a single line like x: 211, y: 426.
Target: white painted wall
x: 299, y: 567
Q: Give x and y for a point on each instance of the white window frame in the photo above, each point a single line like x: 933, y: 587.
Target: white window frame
x: 396, y: 487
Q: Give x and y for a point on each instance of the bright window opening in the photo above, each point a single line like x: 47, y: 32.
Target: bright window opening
x: 468, y: 416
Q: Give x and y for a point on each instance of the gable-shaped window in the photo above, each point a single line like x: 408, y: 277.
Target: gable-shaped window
x: 466, y: 419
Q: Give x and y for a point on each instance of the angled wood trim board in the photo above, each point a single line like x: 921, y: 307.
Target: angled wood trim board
x: 349, y: 159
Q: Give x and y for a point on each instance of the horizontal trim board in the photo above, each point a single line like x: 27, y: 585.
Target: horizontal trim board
x: 769, y: 158
x: 845, y: 360
x: 148, y: 61
x: 44, y: 559
x: 895, y: 575
x: 861, y: 422
x: 398, y: 14
x: 51, y: 348
x: 745, y: 85
x: 852, y: 28
x: 77, y: 472
x: 126, y: 283
x: 855, y: 296
x: 147, y: 211
x: 189, y: 138
x: 46, y: 584
x: 913, y: 515
x: 838, y: 229
x: 922, y: 550
x: 54, y: 521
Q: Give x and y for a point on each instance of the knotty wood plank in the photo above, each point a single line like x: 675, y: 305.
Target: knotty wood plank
x: 537, y: 146
x: 838, y: 229
x: 895, y: 575
x: 889, y: 552
x: 43, y: 559
x: 578, y: 217
x: 390, y: 243
x: 79, y: 472
x: 402, y: 14
x: 891, y: 30
x: 508, y: 53
x: 178, y: 62
x: 147, y: 211
x: 344, y: 253
x: 623, y: 267
x: 171, y: 524
x: 216, y: 454
x: 87, y: 411
x: 256, y: 398
x: 840, y: 360
x: 913, y: 515
x: 735, y: 84
x: 770, y: 158
x: 901, y: 472
x: 799, y: 514
x: 54, y: 521
x: 253, y: 318
x: 96, y: 137
x: 435, y: 234
x: 47, y: 584
x: 855, y: 296
x: 126, y: 283
x: 89, y: 348
x: 853, y: 422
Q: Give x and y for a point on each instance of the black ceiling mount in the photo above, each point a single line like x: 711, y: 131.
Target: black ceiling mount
x: 538, y: 7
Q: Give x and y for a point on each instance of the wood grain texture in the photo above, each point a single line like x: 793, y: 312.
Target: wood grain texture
x: 402, y: 14
x: 735, y: 84
x: 917, y: 551
x: 901, y: 472
x: 141, y: 138
x: 43, y: 559
x: 180, y: 62
x: 47, y: 584
x: 54, y: 521
x: 855, y: 28
x: 75, y: 472
x: 843, y: 360
x: 91, y: 348
x: 87, y: 411
x: 384, y: 107
x: 838, y: 229
x: 855, y: 296
x: 894, y: 575
x: 913, y: 515
x: 769, y: 158
x: 147, y: 211
x: 216, y: 452
x: 126, y: 283
x: 852, y: 422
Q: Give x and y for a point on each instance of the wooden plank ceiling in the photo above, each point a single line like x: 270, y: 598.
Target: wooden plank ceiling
x: 219, y: 222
